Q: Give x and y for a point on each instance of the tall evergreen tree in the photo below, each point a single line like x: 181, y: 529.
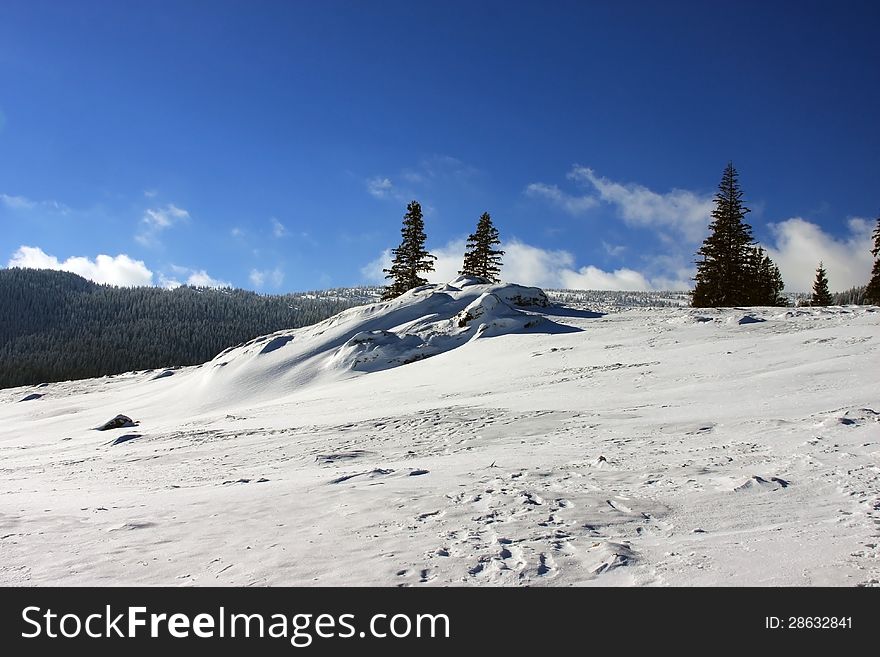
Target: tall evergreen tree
x: 480, y: 259
x: 723, y: 272
x: 872, y: 292
x: 410, y: 258
x: 821, y: 295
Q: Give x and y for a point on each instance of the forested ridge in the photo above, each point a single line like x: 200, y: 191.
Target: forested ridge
x: 56, y: 326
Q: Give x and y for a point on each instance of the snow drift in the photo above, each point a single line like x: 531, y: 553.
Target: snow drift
x: 424, y: 322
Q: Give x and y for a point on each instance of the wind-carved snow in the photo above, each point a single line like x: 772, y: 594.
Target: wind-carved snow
x: 456, y: 437
x: 424, y: 322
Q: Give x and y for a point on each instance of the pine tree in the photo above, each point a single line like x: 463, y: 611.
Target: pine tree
x: 764, y: 280
x: 480, y: 259
x: 410, y: 258
x: 821, y: 295
x: 872, y: 292
x: 723, y: 273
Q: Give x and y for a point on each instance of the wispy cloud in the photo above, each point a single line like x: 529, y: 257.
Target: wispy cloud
x: 380, y: 187
x: 115, y: 270
x: 572, y: 204
x: 440, y: 167
x: 157, y: 220
x: 682, y: 211
x: 415, y: 181
x: 613, y: 250
x: 13, y: 202
x: 17, y: 202
x: 278, y: 229
x: 261, y: 278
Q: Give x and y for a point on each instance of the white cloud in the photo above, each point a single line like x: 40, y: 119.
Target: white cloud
x: 372, y: 271
x: 430, y: 172
x: 236, y: 232
x: 593, y: 278
x: 200, y: 278
x: 193, y: 277
x: 17, y: 202
x: 116, y: 270
x: 800, y: 245
x: 156, y: 220
x: 613, y: 250
x: 261, y: 277
x: 120, y: 270
x: 24, y: 203
x: 682, y: 210
x: 150, y: 193
x: 568, y: 202
x: 278, y: 229
x: 380, y: 187
x: 639, y: 206
x: 528, y: 265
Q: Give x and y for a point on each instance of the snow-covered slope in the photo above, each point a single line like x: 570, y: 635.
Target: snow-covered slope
x: 536, y: 445
x: 424, y: 322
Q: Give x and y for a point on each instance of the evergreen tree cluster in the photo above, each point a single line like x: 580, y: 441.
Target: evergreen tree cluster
x: 56, y: 326
x: 411, y: 259
x: 732, y: 270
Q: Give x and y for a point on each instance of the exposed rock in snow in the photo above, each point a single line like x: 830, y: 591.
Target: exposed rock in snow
x: 118, y: 422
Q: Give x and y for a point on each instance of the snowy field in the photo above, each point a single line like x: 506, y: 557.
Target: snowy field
x: 535, y: 446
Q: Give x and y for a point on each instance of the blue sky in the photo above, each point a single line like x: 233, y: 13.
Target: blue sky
x: 274, y: 145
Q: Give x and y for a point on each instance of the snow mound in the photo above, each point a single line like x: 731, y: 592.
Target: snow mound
x: 424, y: 322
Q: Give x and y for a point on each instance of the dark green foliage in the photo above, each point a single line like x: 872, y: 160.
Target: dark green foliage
x: 872, y: 292
x: 765, y: 282
x: 821, y: 295
x: 732, y: 271
x: 410, y: 258
x: 720, y: 279
x: 480, y: 259
x: 56, y: 326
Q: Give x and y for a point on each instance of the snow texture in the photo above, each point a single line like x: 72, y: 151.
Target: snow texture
x: 465, y: 434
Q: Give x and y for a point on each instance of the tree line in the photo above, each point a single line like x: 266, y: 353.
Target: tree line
x: 732, y: 269
x: 56, y: 326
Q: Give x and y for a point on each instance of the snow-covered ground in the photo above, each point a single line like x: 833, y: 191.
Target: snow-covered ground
x: 535, y: 446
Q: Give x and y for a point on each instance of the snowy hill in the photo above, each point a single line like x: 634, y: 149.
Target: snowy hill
x: 424, y: 322
x: 465, y: 434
